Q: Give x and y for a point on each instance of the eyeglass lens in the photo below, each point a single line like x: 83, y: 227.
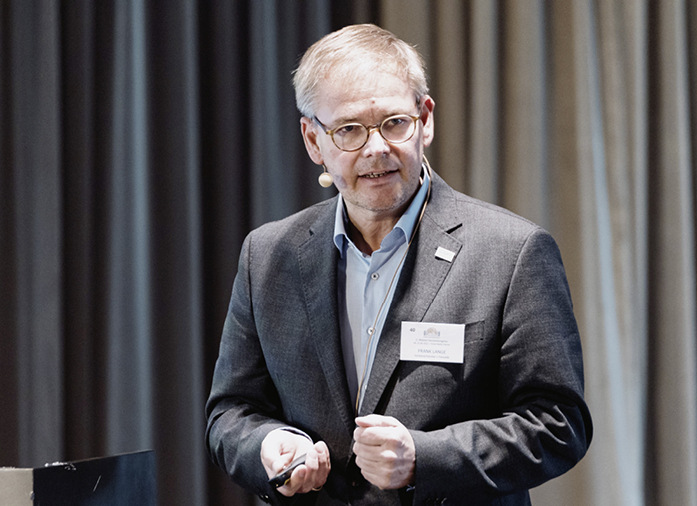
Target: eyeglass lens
x: 394, y: 129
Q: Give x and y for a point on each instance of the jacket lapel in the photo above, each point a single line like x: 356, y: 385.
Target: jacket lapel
x: 419, y: 282
x: 317, y: 259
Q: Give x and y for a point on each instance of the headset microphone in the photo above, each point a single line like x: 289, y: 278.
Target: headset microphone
x: 325, y: 179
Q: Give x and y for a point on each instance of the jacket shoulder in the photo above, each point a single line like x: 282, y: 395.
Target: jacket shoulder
x: 297, y: 227
x: 453, y: 209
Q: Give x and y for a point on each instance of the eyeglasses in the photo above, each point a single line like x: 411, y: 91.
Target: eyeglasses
x: 353, y: 136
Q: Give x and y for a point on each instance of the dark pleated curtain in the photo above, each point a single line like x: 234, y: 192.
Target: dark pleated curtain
x: 140, y: 142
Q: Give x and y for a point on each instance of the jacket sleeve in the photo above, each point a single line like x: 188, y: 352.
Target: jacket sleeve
x: 243, y: 406
x: 544, y: 426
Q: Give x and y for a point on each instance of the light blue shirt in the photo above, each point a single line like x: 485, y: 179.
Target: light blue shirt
x: 363, y: 282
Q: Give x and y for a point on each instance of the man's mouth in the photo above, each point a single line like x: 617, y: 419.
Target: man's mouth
x: 375, y: 175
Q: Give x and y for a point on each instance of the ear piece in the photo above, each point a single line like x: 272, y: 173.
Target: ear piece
x: 325, y: 179
x: 427, y: 166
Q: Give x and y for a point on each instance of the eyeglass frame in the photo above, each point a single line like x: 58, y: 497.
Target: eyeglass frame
x: 376, y: 126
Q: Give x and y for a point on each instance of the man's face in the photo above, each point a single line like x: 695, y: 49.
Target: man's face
x: 380, y: 178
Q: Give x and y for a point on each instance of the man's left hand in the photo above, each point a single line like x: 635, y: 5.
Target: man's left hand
x: 385, y: 451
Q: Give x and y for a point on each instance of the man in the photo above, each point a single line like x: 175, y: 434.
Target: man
x: 415, y: 345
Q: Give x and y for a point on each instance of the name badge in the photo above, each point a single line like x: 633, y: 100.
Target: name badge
x: 432, y: 342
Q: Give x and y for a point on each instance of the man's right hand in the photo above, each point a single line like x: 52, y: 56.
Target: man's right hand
x: 281, y: 447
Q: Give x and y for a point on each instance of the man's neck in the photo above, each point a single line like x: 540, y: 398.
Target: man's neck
x: 367, y: 235
x: 367, y: 229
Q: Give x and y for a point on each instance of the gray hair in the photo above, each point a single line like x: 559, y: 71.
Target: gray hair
x: 348, y: 53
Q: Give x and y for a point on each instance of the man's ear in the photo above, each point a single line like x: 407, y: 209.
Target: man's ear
x: 427, y: 119
x: 309, y: 132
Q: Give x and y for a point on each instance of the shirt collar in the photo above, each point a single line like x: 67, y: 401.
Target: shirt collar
x: 406, y: 222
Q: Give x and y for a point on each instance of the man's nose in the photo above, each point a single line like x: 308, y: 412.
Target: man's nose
x: 376, y: 142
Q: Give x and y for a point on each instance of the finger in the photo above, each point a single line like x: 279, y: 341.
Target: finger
x: 374, y: 420
x: 296, y: 482
x: 282, y: 462
x: 312, y: 467
x: 323, y: 457
x: 325, y: 463
x: 375, y: 436
x: 274, y: 463
x: 312, y: 463
x: 390, y: 473
x: 322, y: 448
x: 367, y: 453
x: 373, y: 478
x: 368, y: 462
x: 319, y: 465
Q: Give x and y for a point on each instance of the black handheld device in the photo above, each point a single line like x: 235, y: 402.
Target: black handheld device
x: 284, y: 476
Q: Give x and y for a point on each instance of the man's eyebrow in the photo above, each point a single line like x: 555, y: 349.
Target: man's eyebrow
x: 353, y: 119
x: 346, y: 119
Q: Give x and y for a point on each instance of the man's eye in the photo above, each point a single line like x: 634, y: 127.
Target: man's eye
x: 395, y: 122
x: 345, y: 130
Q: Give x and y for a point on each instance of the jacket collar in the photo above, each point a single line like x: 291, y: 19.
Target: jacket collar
x: 317, y: 260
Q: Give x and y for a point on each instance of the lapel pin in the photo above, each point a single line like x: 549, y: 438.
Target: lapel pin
x: 445, y: 254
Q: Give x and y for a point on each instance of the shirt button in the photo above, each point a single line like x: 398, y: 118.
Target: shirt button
x: 371, y: 331
x: 375, y: 276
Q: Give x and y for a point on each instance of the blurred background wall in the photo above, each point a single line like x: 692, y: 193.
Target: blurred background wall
x: 140, y: 141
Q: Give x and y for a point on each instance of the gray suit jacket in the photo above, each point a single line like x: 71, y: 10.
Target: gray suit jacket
x: 510, y: 417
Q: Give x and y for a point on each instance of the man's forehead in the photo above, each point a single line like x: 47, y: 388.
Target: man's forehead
x: 345, y: 99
